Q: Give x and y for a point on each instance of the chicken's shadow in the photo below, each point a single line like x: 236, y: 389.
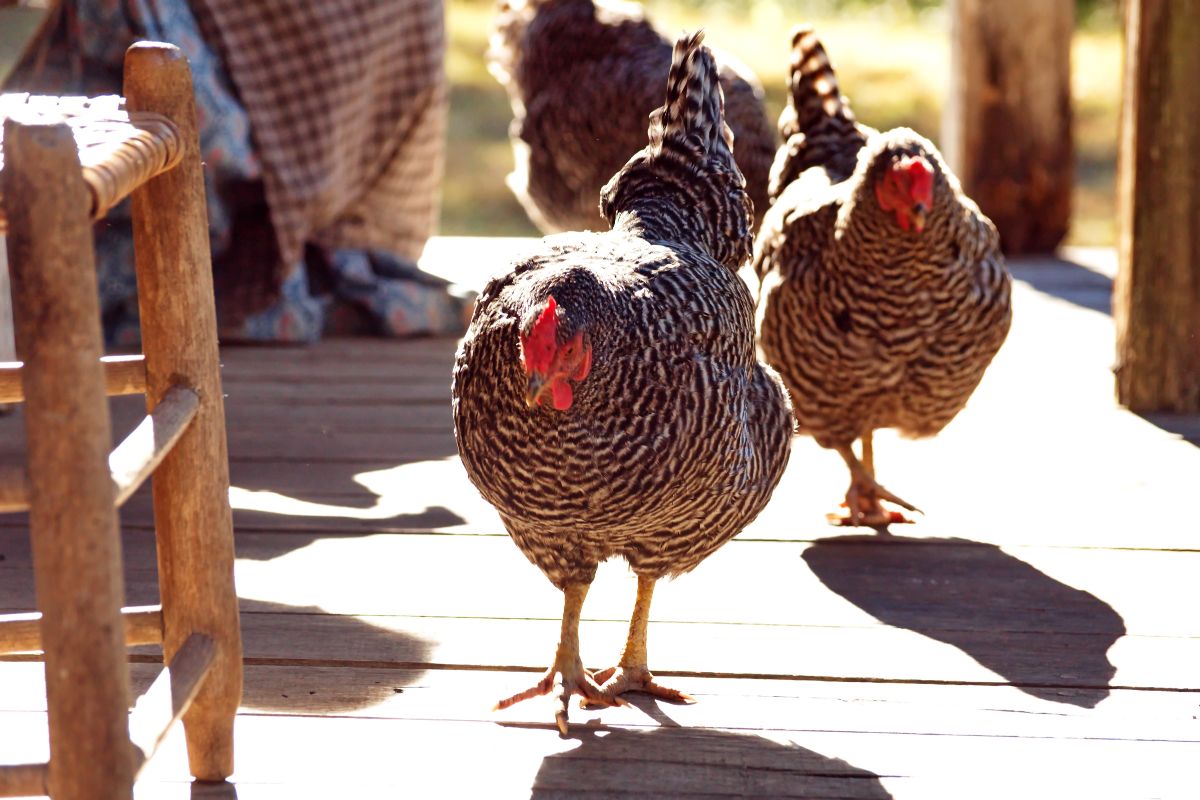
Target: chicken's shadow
x: 1046, y: 638
x: 697, y: 762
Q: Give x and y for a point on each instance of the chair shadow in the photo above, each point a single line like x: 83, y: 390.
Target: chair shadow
x: 696, y: 762
x: 302, y: 660
x: 275, y: 632
x: 1044, y: 637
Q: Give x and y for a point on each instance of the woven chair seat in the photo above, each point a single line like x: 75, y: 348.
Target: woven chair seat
x: 118, y: 150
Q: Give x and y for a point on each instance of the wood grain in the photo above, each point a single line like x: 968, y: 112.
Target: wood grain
x: 1156, y: 301
x: 22, y: 633
x: 23, y: 780
x: 122, y: 375
x: 135, y: 458
x: 76, y: 551
x: 168, y: 698
x: 179, y: 335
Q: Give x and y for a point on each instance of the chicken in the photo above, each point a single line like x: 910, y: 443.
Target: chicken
x: 883, y: 295
x: 607, y: 397
x: 582, y: 76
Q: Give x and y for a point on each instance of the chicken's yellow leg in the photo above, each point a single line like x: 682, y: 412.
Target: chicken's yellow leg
x: 631, y: 673
x: 863, y: 496
x: 567, y: 675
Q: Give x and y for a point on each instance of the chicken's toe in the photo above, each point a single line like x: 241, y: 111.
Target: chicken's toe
x: 616, y: 680
x: 563, y: 683
x: 863, y: 506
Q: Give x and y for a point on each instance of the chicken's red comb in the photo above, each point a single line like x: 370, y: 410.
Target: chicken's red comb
x: 920, y: 177
x: 537, y: 349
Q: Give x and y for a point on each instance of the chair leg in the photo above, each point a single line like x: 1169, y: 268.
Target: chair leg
x: 179, y: 338
x: 73, y: 524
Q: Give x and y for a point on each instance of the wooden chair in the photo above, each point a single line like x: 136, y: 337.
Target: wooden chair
x: 66, y: 161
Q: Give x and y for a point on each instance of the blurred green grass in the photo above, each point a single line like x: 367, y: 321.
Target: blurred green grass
x: 892, y: 62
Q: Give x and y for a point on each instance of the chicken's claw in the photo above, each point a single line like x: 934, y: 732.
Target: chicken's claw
x: 562, y: 684
x: 863, y: 506
x: 616, y: 680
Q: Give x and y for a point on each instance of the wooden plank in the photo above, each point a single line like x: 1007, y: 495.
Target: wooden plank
x: 666, y: 761
x: 258, y: 392
x: 356, y: 354
x: 797, y: 705
x: 168, y: 698
x: 74, y: 527
x: 135, y: 458
x: 179, y: 338
x: 924, y: 585
x: 21, y: 633
x: 123, y: 375
x: 519, y: 759
x: 1156, y: 301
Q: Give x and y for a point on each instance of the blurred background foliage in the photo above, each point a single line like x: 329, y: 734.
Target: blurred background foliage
x: 892, y: 57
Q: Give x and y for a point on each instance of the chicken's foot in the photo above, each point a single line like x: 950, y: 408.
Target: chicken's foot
x: 567, y: 675
x: 631, y: 673
x: 863, y: 506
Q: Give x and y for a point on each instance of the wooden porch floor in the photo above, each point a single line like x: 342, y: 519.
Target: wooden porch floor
x: 1036, y: 635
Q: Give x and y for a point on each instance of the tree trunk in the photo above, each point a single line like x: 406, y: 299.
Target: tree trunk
x: 1007, y: 126
x: 1156, y: 303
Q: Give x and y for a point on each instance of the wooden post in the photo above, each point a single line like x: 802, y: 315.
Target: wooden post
x: 76, y: 549
x: 179, y: 338
x: 1156, y: 297
x: 1007, y: 125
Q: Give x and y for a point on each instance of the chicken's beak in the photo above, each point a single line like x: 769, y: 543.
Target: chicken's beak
x: 917, y: 215
x: 534, y: 391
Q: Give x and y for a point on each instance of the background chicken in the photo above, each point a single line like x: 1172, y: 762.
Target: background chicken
x: 582, y: 76
x: 883, y: 294
x: 607, y: 398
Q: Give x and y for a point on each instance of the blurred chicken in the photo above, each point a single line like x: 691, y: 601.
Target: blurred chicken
x: 607, y: 398
x: 883, y: 295
x: 582, y: 76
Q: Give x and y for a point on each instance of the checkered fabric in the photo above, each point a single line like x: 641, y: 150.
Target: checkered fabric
x: 347, y: 102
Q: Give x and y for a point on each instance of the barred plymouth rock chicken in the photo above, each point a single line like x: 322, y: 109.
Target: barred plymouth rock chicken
x: 582, y: 76
x: 883, y: 295
x: 607, y: 397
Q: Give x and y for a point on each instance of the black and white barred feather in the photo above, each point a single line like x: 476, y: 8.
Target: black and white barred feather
x: 872, y: 326
x: 678, y: 436
x: 582, y: 76
x: 818, y: 127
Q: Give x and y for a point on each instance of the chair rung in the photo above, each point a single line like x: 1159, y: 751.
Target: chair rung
x: 133, y: 460
x: 22, y: 633
x: 149, y: 443
x: 122, y: 375
x: 23, y: 780
x: 14, y: 489
x: 169, y: 697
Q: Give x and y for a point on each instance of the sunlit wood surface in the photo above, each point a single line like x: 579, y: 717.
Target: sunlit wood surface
x: 1036, y: 635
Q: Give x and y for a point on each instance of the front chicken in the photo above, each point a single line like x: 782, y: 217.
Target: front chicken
x: 582, y: 76
x: 607, y: 398
x: 883, y: 294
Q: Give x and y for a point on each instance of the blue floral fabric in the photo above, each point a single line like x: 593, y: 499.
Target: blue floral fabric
x: 361, y: 291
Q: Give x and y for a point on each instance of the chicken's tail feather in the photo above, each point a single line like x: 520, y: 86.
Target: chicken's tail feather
x: 815, y: 98
x: 693, y: 114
